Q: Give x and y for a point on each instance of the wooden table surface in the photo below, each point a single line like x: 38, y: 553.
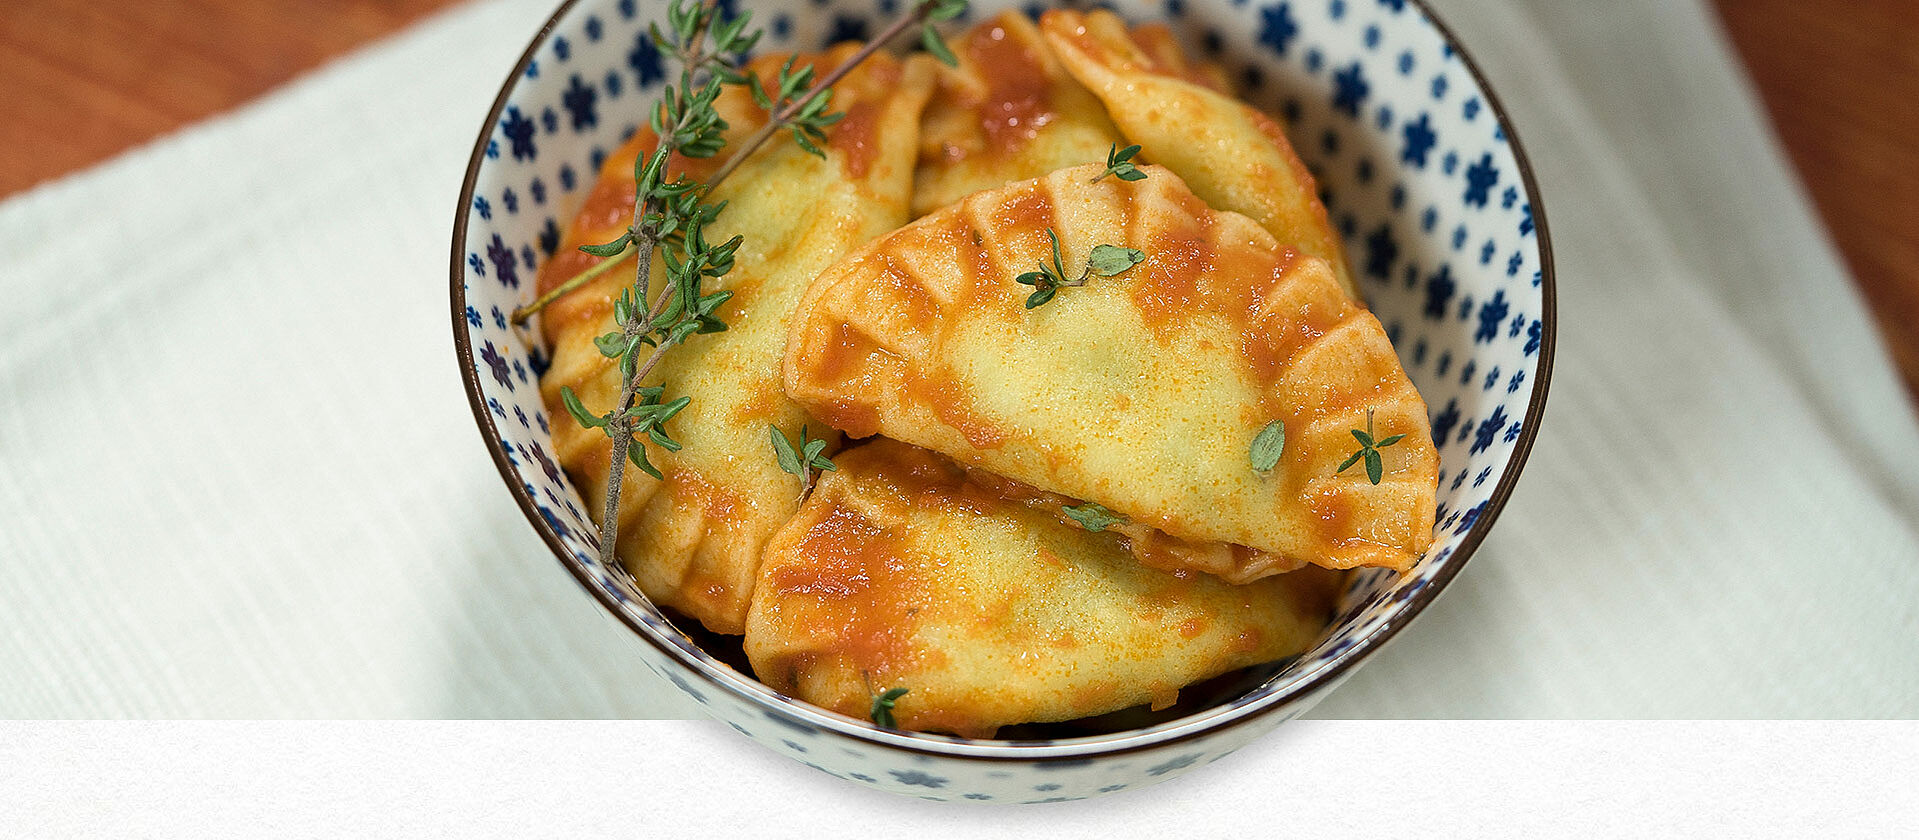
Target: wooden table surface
x: 82, y: 80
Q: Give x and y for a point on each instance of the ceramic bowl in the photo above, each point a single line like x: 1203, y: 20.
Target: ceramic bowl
x: 1420, y: 170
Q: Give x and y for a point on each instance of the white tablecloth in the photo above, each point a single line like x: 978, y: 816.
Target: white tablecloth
x: 238, y: 476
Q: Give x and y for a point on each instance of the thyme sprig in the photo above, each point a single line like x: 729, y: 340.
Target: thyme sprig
x: 882, y: 709
x: 805, y: 461
x: 1105, y: 261
x: 1369, y: 450
x: 645, y: 417
x: 1119, y: 164
x: 671, y: 216
x: 810, y: 121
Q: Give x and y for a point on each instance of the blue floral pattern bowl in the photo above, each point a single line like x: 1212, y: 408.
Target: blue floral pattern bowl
x: 1421, y: 172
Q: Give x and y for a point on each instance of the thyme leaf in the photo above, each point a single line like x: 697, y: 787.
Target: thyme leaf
x: 1268, y: 446
x: 882, y: 709
x: 1093, y: 516
x: 1109, y: 260
x: 1369, y: 451
x: 1119, y: 164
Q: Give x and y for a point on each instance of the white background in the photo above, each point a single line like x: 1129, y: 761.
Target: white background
x: 686, y: 779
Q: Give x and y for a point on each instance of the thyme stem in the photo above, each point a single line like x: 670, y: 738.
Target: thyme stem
x: 645, y: 239
x: 591, y: 273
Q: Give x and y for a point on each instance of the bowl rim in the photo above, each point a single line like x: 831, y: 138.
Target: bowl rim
x: 1200, y: 724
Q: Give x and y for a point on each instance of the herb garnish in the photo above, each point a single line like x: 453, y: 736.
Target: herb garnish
x: 1369, y: 449
x: 1119, y: 164
x: 1093, y: 516
x: 1268, y: 446
x: 882, y: 711
x: 645, y: 417
x: 804, y: 461
x: 1105, y: 261
x: 670, y: 216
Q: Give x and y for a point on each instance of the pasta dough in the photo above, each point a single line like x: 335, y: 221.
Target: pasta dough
x: 693, y: 541
x: 900, y: 572
x: 1142, y: 392
x: 1233, y: 157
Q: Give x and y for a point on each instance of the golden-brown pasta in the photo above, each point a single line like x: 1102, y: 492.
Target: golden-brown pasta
x: 899, y: 572
x: 1008, y: 112
x: 1142, y: 392
x: 693, y: 541
x: 1233, y: 156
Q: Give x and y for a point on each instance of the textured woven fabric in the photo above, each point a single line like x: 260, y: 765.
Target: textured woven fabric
x: 238, y: 477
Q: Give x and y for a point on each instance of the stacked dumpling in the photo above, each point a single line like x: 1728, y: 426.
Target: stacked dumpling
x: 1051, y: 384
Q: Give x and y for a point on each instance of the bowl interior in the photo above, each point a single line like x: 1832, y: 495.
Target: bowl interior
x: 1417, y: 168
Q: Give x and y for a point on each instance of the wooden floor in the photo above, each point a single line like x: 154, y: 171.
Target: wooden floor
x: 81, y: 80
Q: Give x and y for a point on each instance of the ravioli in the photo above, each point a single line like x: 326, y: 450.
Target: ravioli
x: 1233, y: 156
x: 1008, y: 112
x: 693, y: 541
x: 1142, y: 392
x: 901, y: 572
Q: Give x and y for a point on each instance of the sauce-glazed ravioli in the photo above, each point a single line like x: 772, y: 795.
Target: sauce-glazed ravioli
x: 1233, y: 156
x: 901, y: 572
x: 1143, y: 391
x: 1008, y: 112
x: 693, y: 540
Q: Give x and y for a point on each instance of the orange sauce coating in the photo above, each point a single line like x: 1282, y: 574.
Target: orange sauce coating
x: 856, y: 138
x: 864, y: 583
x: 1017, y: 104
